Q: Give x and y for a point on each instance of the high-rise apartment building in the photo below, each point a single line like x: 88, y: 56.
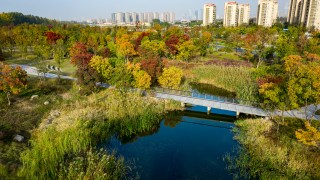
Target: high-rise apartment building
x: 305, y: 13
x: 209, y: 14
x: 120, y: 18
x: 243, y: 14
x: 267, y: 12
x: 134, y: 17
x: 128, y: 18
x: 172, y: 17
x: 236, y: 14
x: 230, y: 14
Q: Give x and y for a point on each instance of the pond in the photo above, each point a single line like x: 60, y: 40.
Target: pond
x: 188, y: 145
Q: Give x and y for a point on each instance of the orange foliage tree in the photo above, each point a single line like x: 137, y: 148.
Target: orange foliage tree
x: 12, y: 80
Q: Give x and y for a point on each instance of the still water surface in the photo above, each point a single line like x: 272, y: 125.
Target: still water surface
x: 186, y: 146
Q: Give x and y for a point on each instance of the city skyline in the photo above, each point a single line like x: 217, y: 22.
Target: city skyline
x: 83, y: 10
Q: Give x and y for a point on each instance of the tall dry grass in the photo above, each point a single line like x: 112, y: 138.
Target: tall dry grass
x: 237, y: 79
x: 268, y: 155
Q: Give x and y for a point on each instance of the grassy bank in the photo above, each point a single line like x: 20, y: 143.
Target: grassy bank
x: 232, y: 78
x: 23, y: 116
x: 268, y: 154
x: 60, y: 144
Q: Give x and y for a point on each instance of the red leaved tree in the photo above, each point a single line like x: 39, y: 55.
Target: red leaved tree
x: 153, y: 67
x: 52, y: 37
x: 172, y: 44
x: 12, y: 80
x: 87, y: 76
x: 137, y: 42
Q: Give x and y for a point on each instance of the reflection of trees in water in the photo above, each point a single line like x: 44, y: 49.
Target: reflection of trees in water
x: 172, y: 120
x: 133, y: 137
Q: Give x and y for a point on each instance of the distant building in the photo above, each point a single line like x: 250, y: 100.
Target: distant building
x: 172, y: 17
x: 141, y: 17
x: 209, y: 14
x: 120, y: 18
x: 267, y: 12
x: 231, y: 13
x: 128, y: 19
x: 134, y: 17
x: 146, y: 17
x: 156, y: 15
x: 113, y: 17
x: 244, y: 14
x: 305, y: 13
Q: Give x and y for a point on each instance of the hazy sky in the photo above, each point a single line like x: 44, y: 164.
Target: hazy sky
x: 86, y: 9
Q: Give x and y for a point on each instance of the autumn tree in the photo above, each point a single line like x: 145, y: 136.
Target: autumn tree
x: 153, y: 66
x: 171, y: 77
x: 87, y: 77
x: 124, y: 47
x: 187, y: 51
x: 52, y: 37
x: 12, y: 80
x: 153, y: 48
x: 292, y: 84
x: 142, y: 80
x: 102, y: 66
x: 172, y: 44
x: 203, y: 42
x: 310, y: 136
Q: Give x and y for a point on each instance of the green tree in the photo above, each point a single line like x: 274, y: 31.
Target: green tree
x: 171, y: 77
x: 59, y: 50
x: 152, y: 48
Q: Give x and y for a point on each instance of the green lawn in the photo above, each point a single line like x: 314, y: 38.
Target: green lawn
x: 67, y: 68
x: 224, y: 56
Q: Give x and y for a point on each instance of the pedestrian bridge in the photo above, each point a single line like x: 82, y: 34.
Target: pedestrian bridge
x: 230, y: 104
x: 209, y: 101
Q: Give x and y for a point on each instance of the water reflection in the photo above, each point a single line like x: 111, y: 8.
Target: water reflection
x: 212, y: 90
x: 186, y: 145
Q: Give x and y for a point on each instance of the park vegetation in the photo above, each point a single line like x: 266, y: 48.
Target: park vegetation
x: 272, y: 68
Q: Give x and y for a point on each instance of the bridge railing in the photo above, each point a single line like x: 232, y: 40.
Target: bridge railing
x: 197, y: 95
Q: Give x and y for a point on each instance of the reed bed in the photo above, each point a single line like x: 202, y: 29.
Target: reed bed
x: 59, y: 147
x: 236, y: 79
x: 266, y: 154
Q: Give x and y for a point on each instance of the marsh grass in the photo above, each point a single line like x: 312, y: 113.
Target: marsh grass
x: 82, y: 124
x: 232, y: 78
x: 266, y: 154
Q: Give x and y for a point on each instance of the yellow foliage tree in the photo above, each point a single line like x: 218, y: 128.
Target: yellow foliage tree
x: 142, y: 80
x: 310, y: 137
x: 171, y: 77
x: 125, y: 47
x: 102, y: 66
